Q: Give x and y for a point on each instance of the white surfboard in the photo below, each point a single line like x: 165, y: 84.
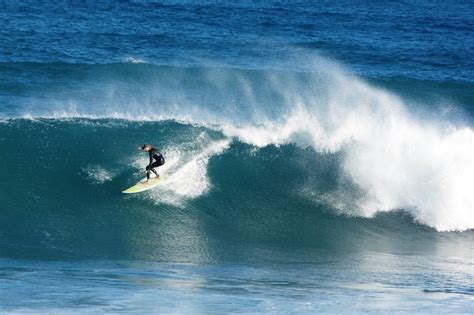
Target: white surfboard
x: 143, y: 185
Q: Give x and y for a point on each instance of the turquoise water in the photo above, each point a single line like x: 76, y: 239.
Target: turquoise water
x: 320, y: 157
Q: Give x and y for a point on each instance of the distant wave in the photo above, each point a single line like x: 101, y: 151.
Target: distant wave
x: 468, y: 291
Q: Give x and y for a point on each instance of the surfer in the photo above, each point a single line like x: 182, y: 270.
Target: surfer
x: 154, y: 155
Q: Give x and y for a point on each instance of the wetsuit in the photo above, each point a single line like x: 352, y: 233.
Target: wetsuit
x: 159, y: 160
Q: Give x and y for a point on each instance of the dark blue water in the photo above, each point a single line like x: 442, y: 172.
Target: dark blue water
x: 319, y: 157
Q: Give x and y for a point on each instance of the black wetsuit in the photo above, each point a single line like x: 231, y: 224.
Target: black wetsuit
x: 159, y: 160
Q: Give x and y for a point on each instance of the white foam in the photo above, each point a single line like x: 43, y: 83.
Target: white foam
x: 401, y: 162
x: 97, y: 174
x: 134, y: 60
x: 186, y: 170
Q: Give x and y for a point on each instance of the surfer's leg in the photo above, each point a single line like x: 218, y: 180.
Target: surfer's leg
x: 155, y: 164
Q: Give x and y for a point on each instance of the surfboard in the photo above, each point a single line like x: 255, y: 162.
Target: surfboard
x: 143, y: 185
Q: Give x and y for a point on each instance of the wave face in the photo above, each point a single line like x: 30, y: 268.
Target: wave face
x: 224, y: 199
x: 315, y: 157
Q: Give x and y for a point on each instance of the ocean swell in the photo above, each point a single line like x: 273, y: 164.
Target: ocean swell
x: 397, y: 159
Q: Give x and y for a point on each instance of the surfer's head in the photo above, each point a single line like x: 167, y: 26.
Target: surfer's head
x: 146, y: 147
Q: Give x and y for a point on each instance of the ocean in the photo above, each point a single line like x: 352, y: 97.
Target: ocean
x: 320, y: 157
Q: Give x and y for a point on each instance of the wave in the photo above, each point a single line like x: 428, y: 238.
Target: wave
x: 61, y: 196
x: 392, y: 156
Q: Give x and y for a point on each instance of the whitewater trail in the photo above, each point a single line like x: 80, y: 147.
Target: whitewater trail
x: 186, y: 172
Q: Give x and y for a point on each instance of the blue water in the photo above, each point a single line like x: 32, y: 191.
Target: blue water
x: 319, y: 157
